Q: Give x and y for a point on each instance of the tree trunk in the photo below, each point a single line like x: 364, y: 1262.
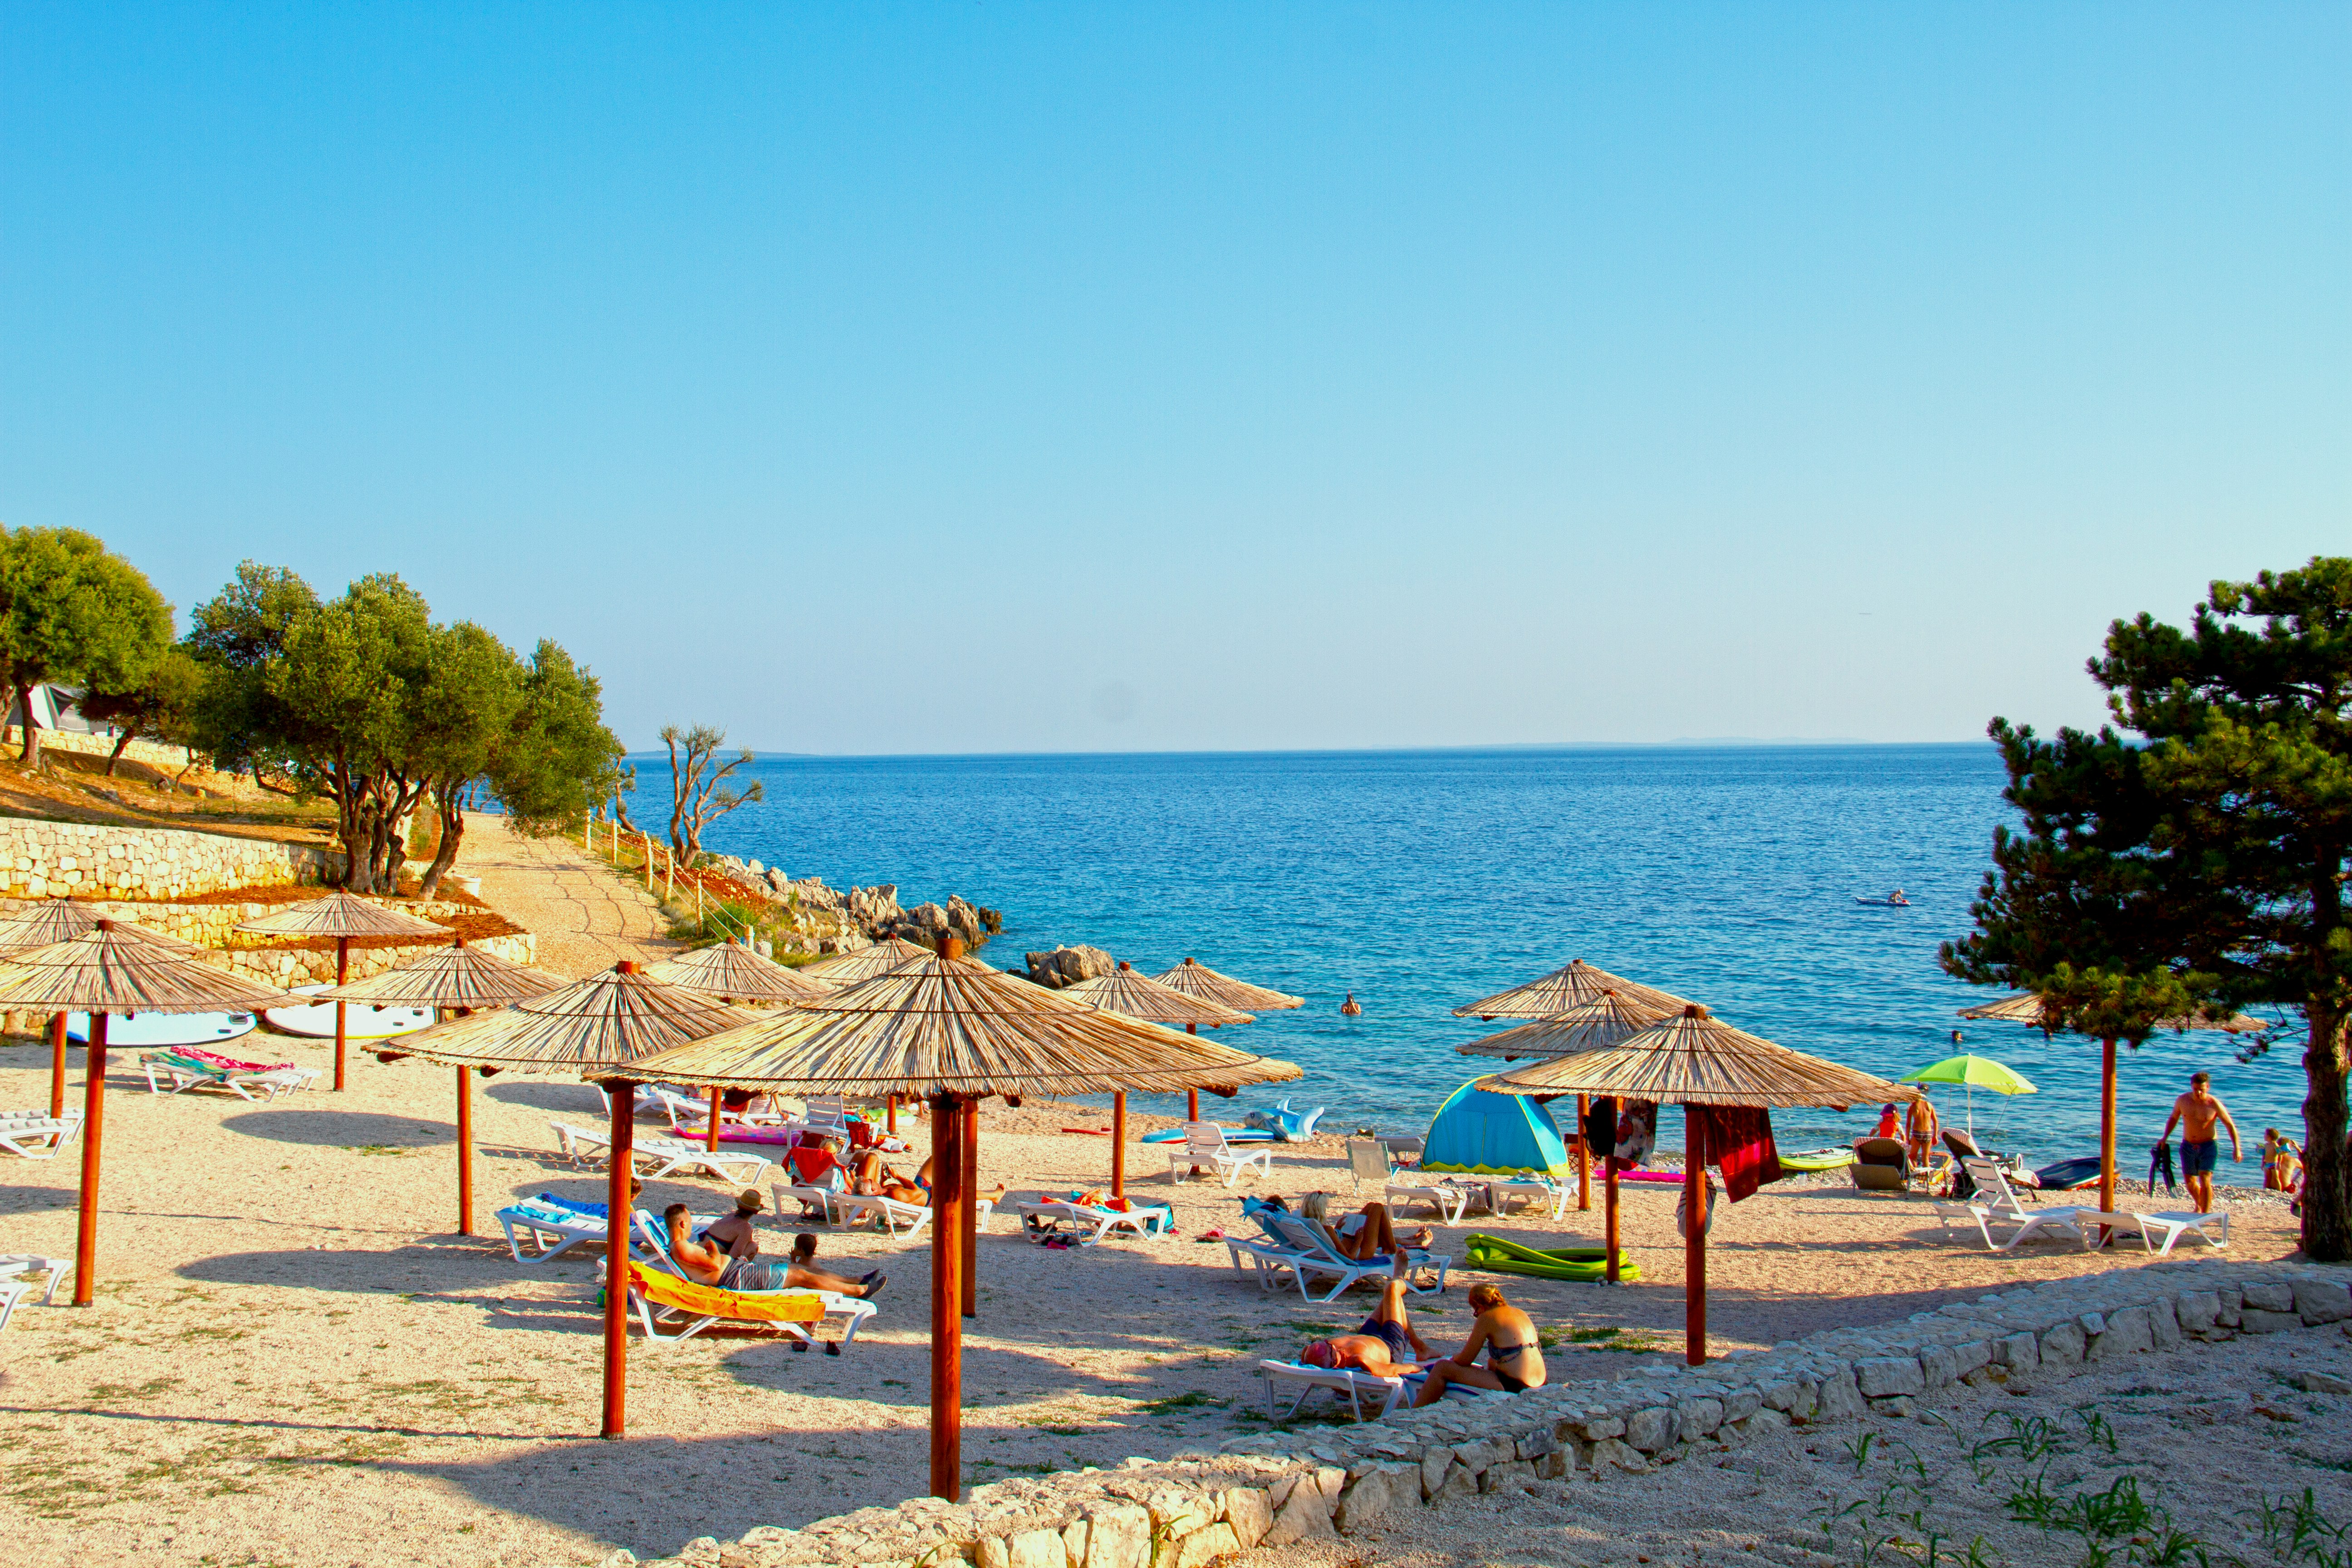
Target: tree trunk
x: 31, y: 756
x: 115, y: 756
x: 2327, y: 1228
x: 453, y: 828
x: 351, y: 829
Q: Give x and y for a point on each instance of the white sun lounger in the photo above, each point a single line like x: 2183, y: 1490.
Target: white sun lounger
x: 36, y: 1134
x: 2174, y: 1222
x: 1204, y: 1144
x: 1090, y: 1223
x: 846, y: 1209
x: 670, y: 1155
x: 1299, y: 1246
x: 187, y: 1075
x: 1552, y: 1196
x: 15, y: 1287
x: 552, y: 1231
x: 1360, y: 1388
x: 1450, y: 1199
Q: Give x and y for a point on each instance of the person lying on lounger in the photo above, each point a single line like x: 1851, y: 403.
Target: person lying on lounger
x: 708, y: 1265
x: 1386, y: 1346
x: 1514, y: 1360
x: 923, y: 1180
x: 1368, y: 1233
x: 873, y: 1179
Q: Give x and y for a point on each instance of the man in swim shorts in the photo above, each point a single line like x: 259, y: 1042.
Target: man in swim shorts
x: 1386, y: 1346
x: 2196, y: 1113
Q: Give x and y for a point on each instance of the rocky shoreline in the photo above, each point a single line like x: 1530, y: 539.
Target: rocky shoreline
x: 815, y: 919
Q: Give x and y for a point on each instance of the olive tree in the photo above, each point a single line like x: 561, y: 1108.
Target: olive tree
x: 71, y: 612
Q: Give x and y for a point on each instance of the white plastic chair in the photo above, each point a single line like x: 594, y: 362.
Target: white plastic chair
x: 1368, y: 1161
x: 1205, y: 1145
x: 36, y: 1134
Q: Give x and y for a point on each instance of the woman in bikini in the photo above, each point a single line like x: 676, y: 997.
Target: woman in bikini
x: 1514, y: 1360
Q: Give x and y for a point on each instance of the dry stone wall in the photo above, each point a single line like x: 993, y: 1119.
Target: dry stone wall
x: 1268, y: 1490
x: 40, y: 859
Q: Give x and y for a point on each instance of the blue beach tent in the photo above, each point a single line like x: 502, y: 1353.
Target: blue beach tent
x: 1488, y: 1134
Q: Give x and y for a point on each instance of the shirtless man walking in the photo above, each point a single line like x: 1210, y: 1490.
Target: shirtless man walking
x: 2196, y: 1112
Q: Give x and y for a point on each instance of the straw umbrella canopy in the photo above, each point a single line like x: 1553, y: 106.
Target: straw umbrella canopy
x: 47, y: 921
x: 1125, y: 990
x: 342, y: 916
x: 1696, y: 1060
x: 732, y: 972
x: 1196, y: 978
x: 881, y: 958
x: 598, y: 1027
x: 104, y: 970
x: 1572, y: 985
x: 957, y: 1031
x: 2027, y: 1008
x: 468, y: 979
x: 1608, y: 1019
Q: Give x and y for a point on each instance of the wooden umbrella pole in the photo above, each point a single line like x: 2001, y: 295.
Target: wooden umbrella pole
x: 1191, y: 1096
x: 1119, y: 1145
x: 1694, y: 1242
x: 464, y: 1155
x: 623, y: 1095
x: 947, y: 1293
x: 718, y: 1099
x: 56, y: 1065
x: 890, y: 1114
x: 93, y: 1124
x: 1583, y: 1154
x: 1609, y: 1208
x: 342, y: 974
x: 971, y: 1208
x: 2106, y: 1133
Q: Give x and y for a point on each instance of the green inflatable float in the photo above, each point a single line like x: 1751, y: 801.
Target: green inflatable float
x: 1587, y: 1264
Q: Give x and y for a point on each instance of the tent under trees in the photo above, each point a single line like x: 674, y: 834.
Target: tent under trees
x: 74, y: 614
x: 2195, y: 854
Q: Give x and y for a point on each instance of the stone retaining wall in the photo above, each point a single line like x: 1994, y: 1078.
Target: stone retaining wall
x: 1268, y: 1490
x: 153, y: 752
x: 41, y: 859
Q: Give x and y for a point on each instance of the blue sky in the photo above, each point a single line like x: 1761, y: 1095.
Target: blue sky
x: 1008, y: 377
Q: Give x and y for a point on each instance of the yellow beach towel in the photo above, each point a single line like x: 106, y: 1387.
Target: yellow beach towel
x: 709, y: 1301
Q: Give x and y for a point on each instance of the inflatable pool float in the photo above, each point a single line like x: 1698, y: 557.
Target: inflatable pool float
x: 735, y: 1132
x: 2069, y: 1173
x: 363, y: 1020
x: 158, y: 1030
x: 1232, y: 1135
x: 1655, y: 1178
x: 1817, y: 1160
x: 1587, y: 1265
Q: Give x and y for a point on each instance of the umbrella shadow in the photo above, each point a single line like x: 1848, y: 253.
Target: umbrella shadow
x: 324, y: 1129
x: 570, y: 1099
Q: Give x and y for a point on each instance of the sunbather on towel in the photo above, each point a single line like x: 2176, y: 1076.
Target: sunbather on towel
x: 1514, y: 1358
x: 709, y: 1265
x: 1386, y: 1346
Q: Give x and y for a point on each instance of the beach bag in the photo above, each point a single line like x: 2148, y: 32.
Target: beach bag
x: 1682, y: 1208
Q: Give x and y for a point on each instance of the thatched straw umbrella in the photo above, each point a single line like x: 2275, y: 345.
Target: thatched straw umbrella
x: 1572, y: 985
x: 589, y: 1028
x: 1125, y: 990
x: 1606, y: 1020
x: 878, y: 958
x: 53, y: 921
x: 2026, y: 1007
x: 108, y: 970
x: 342, y: 916
x: 1695, y: 1059
x: 1196, y: 978
x: 957, y: 1031
x: 469, y: 980
x: 732, y: 972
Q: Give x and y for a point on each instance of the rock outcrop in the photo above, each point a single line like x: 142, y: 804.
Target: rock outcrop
x: 1067, y: 966
x: 819, y: 918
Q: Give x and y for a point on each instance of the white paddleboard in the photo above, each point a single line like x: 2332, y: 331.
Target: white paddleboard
x: 362, y: 1021
x: 151, y: 1030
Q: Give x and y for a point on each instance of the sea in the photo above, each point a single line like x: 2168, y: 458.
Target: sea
x: 1420, y: 881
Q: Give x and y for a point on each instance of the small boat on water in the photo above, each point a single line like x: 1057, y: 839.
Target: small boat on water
x: 1893, y: 901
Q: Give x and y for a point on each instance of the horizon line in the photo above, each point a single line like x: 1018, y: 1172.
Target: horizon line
x: 1689, y: 743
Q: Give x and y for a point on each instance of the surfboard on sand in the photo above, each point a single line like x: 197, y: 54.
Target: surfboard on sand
x: 1232, y: 1135
x: 362, y: 1022
x: 151, y: 1030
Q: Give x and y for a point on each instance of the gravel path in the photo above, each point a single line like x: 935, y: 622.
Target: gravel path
x: 585, y: 916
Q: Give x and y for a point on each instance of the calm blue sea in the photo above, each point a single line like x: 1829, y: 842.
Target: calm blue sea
x: 1424, y: 879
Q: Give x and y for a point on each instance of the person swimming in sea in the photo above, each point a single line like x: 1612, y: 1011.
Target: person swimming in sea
x: 1351, y: 1007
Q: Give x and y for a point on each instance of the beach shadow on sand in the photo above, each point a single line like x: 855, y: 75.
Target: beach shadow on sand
x: 565, y: 1098
x: 325, y: 1129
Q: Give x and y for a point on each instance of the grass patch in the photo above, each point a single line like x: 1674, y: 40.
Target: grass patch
x: 393, y: 1151
x: 1192, y: 1400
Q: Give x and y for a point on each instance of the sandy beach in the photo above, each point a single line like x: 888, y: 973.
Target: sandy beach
x: 293, y: 1358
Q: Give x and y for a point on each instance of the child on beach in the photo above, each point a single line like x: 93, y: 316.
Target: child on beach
x: 2282, y: 1160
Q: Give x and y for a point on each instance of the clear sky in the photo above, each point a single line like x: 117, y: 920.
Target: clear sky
x: 996, y: 378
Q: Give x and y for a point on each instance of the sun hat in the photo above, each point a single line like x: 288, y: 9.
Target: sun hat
x: 748, y: 1200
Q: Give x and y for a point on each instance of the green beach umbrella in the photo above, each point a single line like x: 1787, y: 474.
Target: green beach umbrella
x: 1973, y: 1072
